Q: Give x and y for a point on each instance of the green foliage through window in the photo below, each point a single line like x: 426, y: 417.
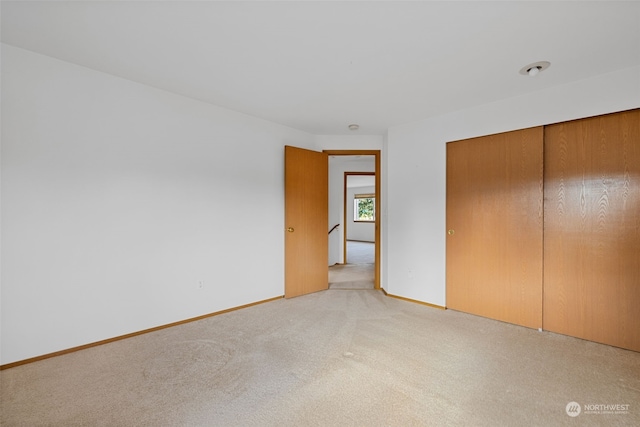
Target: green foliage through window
x: 364, y: 207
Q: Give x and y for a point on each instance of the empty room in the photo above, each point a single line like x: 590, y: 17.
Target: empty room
x: 181, y: 181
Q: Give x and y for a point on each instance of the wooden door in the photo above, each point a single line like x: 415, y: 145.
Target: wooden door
x: 494, y: 226
x: 306, y: 221
x: 592, y: 229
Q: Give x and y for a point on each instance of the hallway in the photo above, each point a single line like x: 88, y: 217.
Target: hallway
x: 359, y: 272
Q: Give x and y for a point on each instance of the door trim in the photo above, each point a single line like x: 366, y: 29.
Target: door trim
x: 376, y: 154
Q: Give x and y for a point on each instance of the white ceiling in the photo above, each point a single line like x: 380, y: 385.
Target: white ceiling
x: 319, y: 66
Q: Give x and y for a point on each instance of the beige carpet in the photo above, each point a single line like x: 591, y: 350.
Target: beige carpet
x: 351, y: 276
x: 360, y: 252
x: 334, y: 358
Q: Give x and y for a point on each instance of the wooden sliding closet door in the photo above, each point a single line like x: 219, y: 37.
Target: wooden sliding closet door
x: 494, y: 226
x: 592, y: 229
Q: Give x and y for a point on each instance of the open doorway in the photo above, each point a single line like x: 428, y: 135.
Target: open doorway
x: 360, y: 206
x: 354, y: 219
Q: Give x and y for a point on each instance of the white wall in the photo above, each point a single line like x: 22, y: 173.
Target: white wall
x: 337, y: 167
x: 383, y: 206
x: 118, y: 199
x: 363, y: 231
x: 414, y: 180
x: 349, y: 142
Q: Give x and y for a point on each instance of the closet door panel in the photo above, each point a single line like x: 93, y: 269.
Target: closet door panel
x: 592, y: 229
x: 494, y: 226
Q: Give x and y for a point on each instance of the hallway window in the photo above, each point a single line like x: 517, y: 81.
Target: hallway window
x: 364, y: 207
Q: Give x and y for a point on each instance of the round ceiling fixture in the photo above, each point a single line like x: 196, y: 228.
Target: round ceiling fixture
x: 354, y: 127
x: 534, y: 69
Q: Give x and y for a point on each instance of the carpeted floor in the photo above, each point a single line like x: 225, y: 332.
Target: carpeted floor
x: 351, y: 276
x: 333, y: 358
x: 359, y: 272
x: 360, y: 252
